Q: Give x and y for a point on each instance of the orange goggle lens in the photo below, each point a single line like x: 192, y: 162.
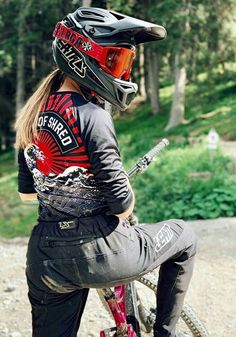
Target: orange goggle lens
x: 117, y: 61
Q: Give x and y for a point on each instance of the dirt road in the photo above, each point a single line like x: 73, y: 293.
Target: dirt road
x: 212, y: 293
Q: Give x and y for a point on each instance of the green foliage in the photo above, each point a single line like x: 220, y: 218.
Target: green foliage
x: 122, y: 6
x: 31, y: 23
x: 5, y: 62
x: 168, y: 189
x: 7, y: 163
x: 17, y: 218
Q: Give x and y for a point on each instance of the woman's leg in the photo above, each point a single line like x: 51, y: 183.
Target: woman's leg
x: 55, y: 314
x: 174, y: 242
x: 134, y: 251
x: 131, y: 251
x: 174, y: 278
x: 56, y: 310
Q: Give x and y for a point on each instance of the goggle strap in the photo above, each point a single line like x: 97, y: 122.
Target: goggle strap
x: 77, y: 41
x: 85, y: 45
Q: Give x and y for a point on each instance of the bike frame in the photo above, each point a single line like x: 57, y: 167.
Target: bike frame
x: 116, y: 301
x: 122, y: 301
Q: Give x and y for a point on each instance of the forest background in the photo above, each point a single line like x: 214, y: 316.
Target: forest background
x: 186, y: 88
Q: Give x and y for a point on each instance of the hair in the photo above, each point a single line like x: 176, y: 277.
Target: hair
x: 27, y: 120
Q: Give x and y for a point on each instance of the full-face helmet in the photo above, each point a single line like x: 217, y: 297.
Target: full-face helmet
x: 96, y: 47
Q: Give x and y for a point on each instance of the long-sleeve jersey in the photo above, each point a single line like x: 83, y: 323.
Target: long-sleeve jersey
x: 78, y: 170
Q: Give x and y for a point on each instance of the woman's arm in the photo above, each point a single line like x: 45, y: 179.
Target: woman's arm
x: 129, y: 210
x: 99, y: 137
x: 25, y: 180
x: 28, y: 196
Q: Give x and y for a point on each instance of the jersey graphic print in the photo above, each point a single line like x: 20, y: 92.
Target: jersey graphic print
x: 73, y: 192
x: 60, y: 164
x: 59, y: 137
x: 60, y: 131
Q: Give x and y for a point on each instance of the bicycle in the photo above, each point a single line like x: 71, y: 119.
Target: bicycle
x: 134, y: 313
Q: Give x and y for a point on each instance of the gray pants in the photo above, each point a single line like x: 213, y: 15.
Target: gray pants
x: 63, y: 261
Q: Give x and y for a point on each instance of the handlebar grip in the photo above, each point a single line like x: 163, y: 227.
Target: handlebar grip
x: 160, y: 146
x: 148, y: 157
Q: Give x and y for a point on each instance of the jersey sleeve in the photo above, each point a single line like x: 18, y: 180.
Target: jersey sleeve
x: 98, y: 134
x: 25, y: 178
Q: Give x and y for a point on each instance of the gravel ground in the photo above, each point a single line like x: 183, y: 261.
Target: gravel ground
x: 212, y: 292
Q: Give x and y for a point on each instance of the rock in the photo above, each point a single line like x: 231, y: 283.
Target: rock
x: 6, y: 302
x: 3, y: 331
x: 10, y: 288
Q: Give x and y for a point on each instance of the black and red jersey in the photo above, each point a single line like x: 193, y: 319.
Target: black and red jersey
x: 74, y: 132
x: 59, y: 135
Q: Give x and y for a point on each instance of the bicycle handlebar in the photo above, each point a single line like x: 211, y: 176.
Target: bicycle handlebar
x: 143, y: 162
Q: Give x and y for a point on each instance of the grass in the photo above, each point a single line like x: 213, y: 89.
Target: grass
x: 199, y: 100
x: 16, y: 218
x: 165, y: 189
x: 7, y: 163
x: 141, y: 130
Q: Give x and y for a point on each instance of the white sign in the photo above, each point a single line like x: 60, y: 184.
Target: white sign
x: 213, y: 139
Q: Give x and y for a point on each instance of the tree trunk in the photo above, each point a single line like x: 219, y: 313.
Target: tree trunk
x: 156, y: 67
x: 178, y: 102
x: 20, y: 76
x: 99, y: 3
x: 139, y: 78
x: 152, y: 80
x: 20, y: 72
x: 142, y: 88
x: 86, y: 3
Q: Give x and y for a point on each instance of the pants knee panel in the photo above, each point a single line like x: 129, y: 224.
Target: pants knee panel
x: 188, y: 235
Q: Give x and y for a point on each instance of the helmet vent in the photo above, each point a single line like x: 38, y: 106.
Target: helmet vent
x: 120, y: 95
x: 118, y: 16
x: 92, y: 15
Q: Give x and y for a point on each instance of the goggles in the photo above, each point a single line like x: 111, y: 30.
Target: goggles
x: 116, y: 61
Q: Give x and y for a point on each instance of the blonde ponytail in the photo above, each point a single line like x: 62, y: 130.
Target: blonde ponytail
x: 26, y: 123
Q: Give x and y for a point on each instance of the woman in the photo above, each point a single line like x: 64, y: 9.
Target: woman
x: 69, y: 160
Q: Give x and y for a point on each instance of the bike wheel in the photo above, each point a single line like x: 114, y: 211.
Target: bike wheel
x: 188, y: 326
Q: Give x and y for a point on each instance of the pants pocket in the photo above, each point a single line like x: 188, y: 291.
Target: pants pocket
x: 49, y: 241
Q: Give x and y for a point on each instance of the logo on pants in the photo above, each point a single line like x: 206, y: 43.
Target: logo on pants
x: 68, y: 224
x: 163, y: 237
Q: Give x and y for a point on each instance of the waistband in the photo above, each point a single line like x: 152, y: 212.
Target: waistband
x: 99, y: 225
x: 70, y: 223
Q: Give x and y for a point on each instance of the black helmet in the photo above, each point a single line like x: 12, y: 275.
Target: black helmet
x: 96, y: 47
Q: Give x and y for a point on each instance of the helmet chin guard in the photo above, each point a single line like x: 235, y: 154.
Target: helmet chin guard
x: 95, y: 47
x: 125, y: 92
